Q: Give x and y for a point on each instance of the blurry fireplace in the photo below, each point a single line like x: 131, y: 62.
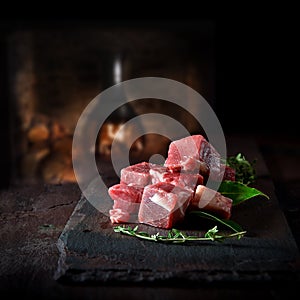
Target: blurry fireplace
x: 54, y: 72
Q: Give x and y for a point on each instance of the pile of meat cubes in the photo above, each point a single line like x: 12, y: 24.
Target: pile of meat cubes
x: 160, y: 195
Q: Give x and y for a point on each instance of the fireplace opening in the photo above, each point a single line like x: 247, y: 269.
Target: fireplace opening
x: 52, y: 74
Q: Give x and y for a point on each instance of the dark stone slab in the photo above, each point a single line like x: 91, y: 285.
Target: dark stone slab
x: 90, y: 251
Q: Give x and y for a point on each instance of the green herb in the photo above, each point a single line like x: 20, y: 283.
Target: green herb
x: 244, y: 170
x: 228, y: 223
x: 176, y: 236
x: 239, y: 192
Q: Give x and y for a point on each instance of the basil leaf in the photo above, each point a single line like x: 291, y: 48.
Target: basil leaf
x: 239, y: 192
x: 229, y: 223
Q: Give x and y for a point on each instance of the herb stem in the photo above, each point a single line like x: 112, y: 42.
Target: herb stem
x: 176, y: 236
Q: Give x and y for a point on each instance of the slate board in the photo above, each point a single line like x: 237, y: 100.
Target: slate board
x: 90, y: 251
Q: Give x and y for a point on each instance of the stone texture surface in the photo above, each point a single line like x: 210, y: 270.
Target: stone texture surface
x: 91, y: 251
x: 32, y: 219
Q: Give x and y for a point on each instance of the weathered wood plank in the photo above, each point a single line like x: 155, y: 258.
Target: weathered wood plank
x: 92, y: 252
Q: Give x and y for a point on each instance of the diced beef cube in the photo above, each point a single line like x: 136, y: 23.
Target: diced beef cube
x: 174, y: 168
x: 190, y: 165
x: 157, y: 173
x: 118, y: 215
x: 163, y: 204
x: 175, y: 176
x: 125, y: 192
x: 209, y: 200
x: 211, y: 157
x: 194, y: 153
x: 137, y: 175
x: 142, y: 174
x: 183, y: 180
x: 186, y: 147
x: 193, y: 165
x: 127, y: 201
x: 127, y: 198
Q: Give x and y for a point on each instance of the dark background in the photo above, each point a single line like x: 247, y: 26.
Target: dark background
x: 251, y: 51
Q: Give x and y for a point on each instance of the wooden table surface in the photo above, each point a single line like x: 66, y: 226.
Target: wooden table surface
x: 33, y: 217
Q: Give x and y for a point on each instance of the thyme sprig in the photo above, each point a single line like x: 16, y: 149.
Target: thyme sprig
x: 176, y: 236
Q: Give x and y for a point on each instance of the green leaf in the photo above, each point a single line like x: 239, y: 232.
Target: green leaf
x: 117, y: 229
x: 239, y: 192
x: 211, y: 233
x: 229, y: 223
x: 176, y: 233
x: 244, y: 170
x: 143, y: 233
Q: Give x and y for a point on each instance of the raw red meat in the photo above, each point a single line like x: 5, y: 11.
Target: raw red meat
x: 137, y: 174
x: 159, y: 195
x: 127, y: 201
x: 157, y: 172
x: 189, y: 165
x: 182, y: 149
x: 183, y: 180
x: 163, y: 204
x: 141, y: 174
x: 126, y: 197
x: 211, y: 157
x: 117, y: 215
x: 194, y: 154
x: 209, y: 200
